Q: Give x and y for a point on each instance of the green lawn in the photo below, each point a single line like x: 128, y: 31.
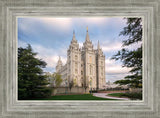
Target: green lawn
x: 116, y: 94
x: 74, y: 97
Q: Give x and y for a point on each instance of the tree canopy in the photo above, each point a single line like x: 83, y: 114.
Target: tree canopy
x: 55, y: 79
x: 31, y: 79
x: 131, y: 58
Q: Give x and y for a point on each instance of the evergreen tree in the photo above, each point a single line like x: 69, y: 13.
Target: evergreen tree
x: 31, y: 79
x: 131, y: 58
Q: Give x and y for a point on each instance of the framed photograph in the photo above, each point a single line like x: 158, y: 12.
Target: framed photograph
x: 79, y: 59
x: 94, y: 62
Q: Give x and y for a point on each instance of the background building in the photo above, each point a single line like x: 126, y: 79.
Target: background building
x: 111, y: 85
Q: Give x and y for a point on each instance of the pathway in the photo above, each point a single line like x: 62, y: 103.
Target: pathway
x: 105, y: 95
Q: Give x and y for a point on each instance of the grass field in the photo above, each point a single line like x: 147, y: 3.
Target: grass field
x: 74, y: 97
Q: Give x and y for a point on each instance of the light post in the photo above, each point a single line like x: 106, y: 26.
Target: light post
x: 53, y: 80
x: 91, y: 85
x: 66, y: 86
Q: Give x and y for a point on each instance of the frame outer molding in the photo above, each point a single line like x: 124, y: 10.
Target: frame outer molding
x: 10, y: 108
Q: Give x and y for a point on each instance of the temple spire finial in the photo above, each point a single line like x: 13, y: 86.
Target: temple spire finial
x: 74, y: 37
x: 98, y: 45
x: 87, y: 28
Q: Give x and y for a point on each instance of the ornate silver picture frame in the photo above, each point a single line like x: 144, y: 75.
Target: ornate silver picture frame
x: 10, y: 107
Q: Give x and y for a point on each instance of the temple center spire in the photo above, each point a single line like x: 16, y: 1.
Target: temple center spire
x: 87, y: 36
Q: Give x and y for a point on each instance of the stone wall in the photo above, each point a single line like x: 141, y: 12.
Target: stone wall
x: 66, y: 90
x: 135, y: 90
x: 114, y: 91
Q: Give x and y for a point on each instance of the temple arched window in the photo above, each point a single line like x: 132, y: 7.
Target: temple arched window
x: 90, y: 59
x: 81, y: 72
x: 76, y: 65
x: 75, y: 81
x: 90, y: 69
x: 76, y: 57
x: 102, y: 71
x: 76, y: 71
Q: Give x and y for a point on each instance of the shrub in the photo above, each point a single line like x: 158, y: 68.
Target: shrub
x: 133, y: 96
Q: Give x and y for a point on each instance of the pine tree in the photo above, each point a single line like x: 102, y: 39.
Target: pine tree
x: 131, y: 58
x: 31, y: 79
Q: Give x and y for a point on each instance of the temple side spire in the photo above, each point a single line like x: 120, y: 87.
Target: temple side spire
x: 59, y: 57
x: 59, y: 65
x: 98, y: 47
x: 59, y: 61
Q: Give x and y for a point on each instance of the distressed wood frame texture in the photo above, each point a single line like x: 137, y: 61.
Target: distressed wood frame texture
x: 10, y: 107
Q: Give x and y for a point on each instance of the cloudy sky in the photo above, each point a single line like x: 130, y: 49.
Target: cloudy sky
x: 51, y: 37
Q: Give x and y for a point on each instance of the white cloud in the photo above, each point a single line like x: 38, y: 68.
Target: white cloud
x: 109, y: 62
x: 134, y: 46
x: 112, y: 47
x: 61, y: 23
x: 118, y: 21
x: 50, y: 60
x: 112, y: 67
x: 100, y: 21
x: 48, y: 55
x: 109, y: 47
x: 27, y: 26
x: 117, y: 69
x: 114, y: 71
x: 80, y: 44
x: 115, y: 77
